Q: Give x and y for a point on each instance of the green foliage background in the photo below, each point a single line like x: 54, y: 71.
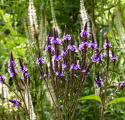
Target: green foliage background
x: 103, y: 19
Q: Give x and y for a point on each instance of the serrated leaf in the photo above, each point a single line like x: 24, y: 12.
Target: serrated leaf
x: 91, y: 97
x: 117, y: 100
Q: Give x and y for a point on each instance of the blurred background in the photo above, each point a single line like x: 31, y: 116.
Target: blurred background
x: 24, y: 25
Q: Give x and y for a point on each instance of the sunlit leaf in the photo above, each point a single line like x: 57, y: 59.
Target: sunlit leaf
x: 91, y: 97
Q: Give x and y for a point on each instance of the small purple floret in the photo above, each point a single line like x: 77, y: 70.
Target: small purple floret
x: 98, y: 82
x: 96, y: 58
x: 24, y: 69
x: 83, y: 44
x: 122, y: 84
x: 12, y: 72
x: 64, y: 66
x: 84, y: 71
x: 40, y: 60
x: 13, y: 62
x: 49, y: 47
x: 93, y: 44
x: 56, y: 58
x: 27, y: 75
x: 71, y: 47
x: 55, y: 41
x: 66, y: 37
x: 64, y: 51
x: 61, y: 74
x: 16, y: 102
x: 2, y: 78
x: 107, y: 44
x: 75, y: 67
x: 114, y: 58
x: 83, y: 33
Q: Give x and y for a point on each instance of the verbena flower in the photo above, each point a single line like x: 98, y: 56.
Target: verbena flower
x: 75, y: 75
x: 56, y: 57
x: 114, y: 58
x: 92, y: 43
x: 27, y: 75
x: 23, y: 69
x: 64, y: 66
x: 107, y: 44
x: 49, y: 47
x: 55, y: 41
x: 12, y: 71
x: 2, y: 78
x: 66, y: 37
x: 122, y: 84
x: 59, y: 74
x: 13, y: 62
x: 15, y: 102
x: 83, y: 44
x: 71, y: 47
x: 40, y: 59
x: 84, y: 71
x: 75, y: 66
x: 83, y: 32
x: 98, y: 82
x: 97, y: 57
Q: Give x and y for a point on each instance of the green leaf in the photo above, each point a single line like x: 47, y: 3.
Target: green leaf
x: 91, y: 97
x: 117, y: 100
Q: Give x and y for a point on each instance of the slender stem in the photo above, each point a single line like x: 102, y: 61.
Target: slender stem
x: 112, y: 96
x: 53, y: 99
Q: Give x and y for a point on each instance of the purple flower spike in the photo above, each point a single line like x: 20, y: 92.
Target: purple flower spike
x: 61, y: 74
x: 13, y: 62
x: 71, y: 47
x: 15, y: 102
x: 40, y: 60
x: 2, y: 78
x: 12, y: 71
x: 66, y: 37
x: 49, y: 47
x: 23, y: 70
x: 55, y: 41
x: 56, y: 58
x: 83, y: 44
x: 114, y: 57
x: 107, y: 44
x: 98, y: 81
x: 64, y: 51
x: 57, y: 73
x: 84, y: 71
x: 83, y: 32
x: 122, y: 84
x: 75, y: 67
x: 93, y: 44
x: 27, y: 75
x: 97, y: 57
x: 64, y: 66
